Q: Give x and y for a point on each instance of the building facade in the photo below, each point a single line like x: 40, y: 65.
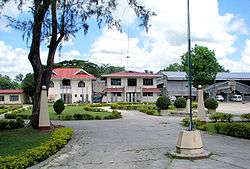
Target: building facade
x: 175, y: 83
x: 131, y: 86
x: 73, y: 85
x: 8, y: 96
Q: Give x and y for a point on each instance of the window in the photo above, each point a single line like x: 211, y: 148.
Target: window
x: 51, y: 84
x: 14, y: 98
x: 1, y: 98
x: 66, y: 82
x: 116, y: 82
x: 117, y: 94
x: 75, y: 95
x: 81, y: 84
x: 132, y: 82
x: 148, y: 82
x: 147, y: 94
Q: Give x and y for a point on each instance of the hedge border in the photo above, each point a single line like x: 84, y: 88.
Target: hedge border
x: 58, y: 140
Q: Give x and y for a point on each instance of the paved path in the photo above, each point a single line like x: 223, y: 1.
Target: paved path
x: 234, y: 107
x: 140, y: 141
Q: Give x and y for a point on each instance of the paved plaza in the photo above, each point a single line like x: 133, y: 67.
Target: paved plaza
x: 141, y: 141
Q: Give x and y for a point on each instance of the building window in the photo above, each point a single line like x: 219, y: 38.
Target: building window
x: 75, y: 95
x: 148, y: 82
x: 66, y: 82
x: 1, y: 98
x: 81, y: 84
x: 51, y: 84
x: 119, y: 94
x: 148, y: 94
x: 132, y: 82
x: 116, y: 82
x: 14, y: 98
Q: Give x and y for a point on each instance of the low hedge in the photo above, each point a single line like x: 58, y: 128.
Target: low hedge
x: 201, y: 125
x: 245, y: 116
x: 221, y: 116
x: 11, y: 124
x: 235, y: 129
x: 114, y: 115
x: 59, y: 139
x: 14, y: 116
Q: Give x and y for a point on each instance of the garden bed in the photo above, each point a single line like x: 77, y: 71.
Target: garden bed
x: 31, y: 147
x: 72, y: 112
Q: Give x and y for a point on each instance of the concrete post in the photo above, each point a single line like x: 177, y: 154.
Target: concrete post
x: 201, y: 113
x: 44, y: 122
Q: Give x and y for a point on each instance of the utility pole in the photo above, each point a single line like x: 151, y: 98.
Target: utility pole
x: 189, y: 68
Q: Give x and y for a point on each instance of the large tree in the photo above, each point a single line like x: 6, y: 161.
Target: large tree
x: 204, y: 65
x: 7, y: 83
x: 57, y: 20
x: 176, y: 67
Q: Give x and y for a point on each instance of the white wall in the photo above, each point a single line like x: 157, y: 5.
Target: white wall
x: 7, y: 99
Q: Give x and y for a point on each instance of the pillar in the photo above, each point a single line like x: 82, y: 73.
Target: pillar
x: 44, y: 122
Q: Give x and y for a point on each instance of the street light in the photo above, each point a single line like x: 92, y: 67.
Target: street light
x: 189, y: 68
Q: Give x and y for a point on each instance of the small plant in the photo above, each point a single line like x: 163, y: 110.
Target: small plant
x: 245, y: 116
x: 163, y: 103
x: 180, y: 102
x: 59, y: 106
x: 211, y: 103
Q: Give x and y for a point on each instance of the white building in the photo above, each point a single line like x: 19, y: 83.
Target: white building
x: 9, y: 96
x: 131, y: 86
x: 73, y: 85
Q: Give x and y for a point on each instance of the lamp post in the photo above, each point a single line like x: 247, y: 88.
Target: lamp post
x: 189, y: 69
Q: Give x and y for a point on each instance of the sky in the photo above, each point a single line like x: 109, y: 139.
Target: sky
x: 221, y: 25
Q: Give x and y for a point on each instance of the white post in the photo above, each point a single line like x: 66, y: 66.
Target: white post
x: 201, y: 114
x: 44, y: 121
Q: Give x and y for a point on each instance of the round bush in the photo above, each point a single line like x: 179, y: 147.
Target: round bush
x: 180, y: 102
x: 163, y: 102
x: 211, y: 103
x: 59, y: 106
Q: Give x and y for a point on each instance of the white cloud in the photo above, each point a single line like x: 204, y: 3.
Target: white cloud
x: 166, y: 39
x: 15, y: 60
x: 246, y: 53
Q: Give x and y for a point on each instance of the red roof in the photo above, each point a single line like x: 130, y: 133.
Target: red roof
x: 131, y: 74
x: 155, y: 90
x: 71, y: 73
x: 11, y: 91
x: 120, y: 89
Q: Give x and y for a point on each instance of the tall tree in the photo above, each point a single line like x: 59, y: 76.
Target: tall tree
x: 19, y: 77
x: 28, y: 85
x: 55, y: 20
x: 204, y: 65
x: 176, y: 67
x: 7, y: 83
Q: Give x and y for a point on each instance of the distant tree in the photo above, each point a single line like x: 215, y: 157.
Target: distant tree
x: 7, y: 83
x: 176, y: 67
x: 28, y: 85
x: 90, y: 67
x: 19, y: 77
x: 57, y: 20
x: 204, y: 65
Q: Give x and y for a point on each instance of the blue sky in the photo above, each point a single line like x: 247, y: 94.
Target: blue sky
x: 221, y: 25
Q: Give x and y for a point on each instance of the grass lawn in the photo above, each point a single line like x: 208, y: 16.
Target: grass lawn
x: 13, y: 142
x: 71, y: 110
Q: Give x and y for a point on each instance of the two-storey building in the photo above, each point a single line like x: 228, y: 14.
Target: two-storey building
x: 131, y: 86
x: 73, y: 85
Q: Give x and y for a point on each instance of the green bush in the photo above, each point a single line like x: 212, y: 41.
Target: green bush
x: 59, y: 106
x: 221, y: 116
x: 116, y: 115
x: 163, y: 103
x: 194, y: 105
x: 245, y: 116
x: 180, y: 102
x: 14, y: 116
x: 11, y: 124
x: 78, y: 116
x: 98, y: 117
x: 201, y: 125
x: 59, y: 139
x: 233, y: 129
x: 211, y: 103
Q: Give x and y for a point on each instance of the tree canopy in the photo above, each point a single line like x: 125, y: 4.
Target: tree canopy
x: 204, y: 65
x: 7, y: 83
x: 176, y: 67
x: 28, y: 84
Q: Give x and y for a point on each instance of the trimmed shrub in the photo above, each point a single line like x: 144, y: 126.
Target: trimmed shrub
x: 180, y: 102
x: 201, y: 125
x: 211, y: 103
x: 59, y: 106
x: 116, y: 114
x: 11, y: 124
x: 194, y: 105
x: 163, y: 102
x: 98, y: 117
x: 10, y: 116
x: 245, y: 116
x: 59, y: 139
x: 78, y: 116
x: 233, y: 129
x: 221, y: 116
